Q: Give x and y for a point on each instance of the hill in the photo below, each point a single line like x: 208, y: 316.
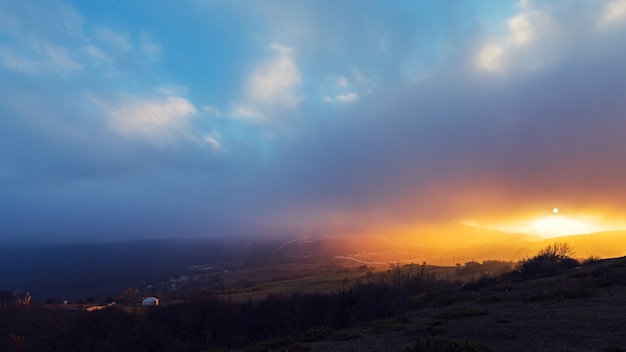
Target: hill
x: 406, y: 308
x: 576, y: 310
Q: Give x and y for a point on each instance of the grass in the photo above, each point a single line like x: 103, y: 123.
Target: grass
x: 311, y: 284
x: 389, y: 325
x: 576, y: 311
x: 344, y: 335
x: 316, y: 334
x: 464, y: 312
x: 435, y: 329
x: 440, y: 299
x: 280, y: 344
x: 298, y: 343
x: 447, y: 345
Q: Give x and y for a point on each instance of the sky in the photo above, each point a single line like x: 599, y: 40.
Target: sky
x: 145, y: 119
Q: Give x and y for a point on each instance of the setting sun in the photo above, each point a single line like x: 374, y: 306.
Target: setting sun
x: 557, y: 224
x: 554, y: 226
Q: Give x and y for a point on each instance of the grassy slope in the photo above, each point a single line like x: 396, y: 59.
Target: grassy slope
x: 578, y: 310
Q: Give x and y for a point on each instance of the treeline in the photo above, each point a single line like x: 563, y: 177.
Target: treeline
x: 209, y: 323
x: 487, y: 267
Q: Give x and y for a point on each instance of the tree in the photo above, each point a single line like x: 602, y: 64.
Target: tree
x: 556, y: 252
x: 549, y: 260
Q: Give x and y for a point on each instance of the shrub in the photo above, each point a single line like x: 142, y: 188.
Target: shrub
x: 482, y: 282
x: 592, y: 259
x: 461, y: 313
x: 550, y: 260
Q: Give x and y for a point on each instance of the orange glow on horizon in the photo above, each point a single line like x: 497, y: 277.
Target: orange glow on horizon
x: 505, y: 237
x: 556, y: 224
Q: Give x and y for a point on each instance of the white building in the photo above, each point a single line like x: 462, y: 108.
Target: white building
x: 150, y: 301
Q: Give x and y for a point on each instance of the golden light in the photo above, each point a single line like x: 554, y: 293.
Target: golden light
x: 557, y: 224
x: 554, y: 226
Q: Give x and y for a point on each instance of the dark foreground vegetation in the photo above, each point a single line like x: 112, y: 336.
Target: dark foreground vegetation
x: 199, y: 324
x: 539, y: 306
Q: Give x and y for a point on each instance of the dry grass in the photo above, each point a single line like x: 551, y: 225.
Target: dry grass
x: 569, y: 312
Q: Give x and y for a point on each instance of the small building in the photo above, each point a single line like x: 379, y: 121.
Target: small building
x: 150, y: 301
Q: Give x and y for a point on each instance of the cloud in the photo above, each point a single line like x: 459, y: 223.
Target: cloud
x: 42, y: 57
x: 149, y: 47
x: 213, y: 140
x: 341, y: 98
x: 341, y: 89
x: 281, y: 49
x: 59, y: 57
x: 273, y: 83
x: 247, y: 113
x: 491, y: 57
x: 486, y: 136
x: 158, y: 119
x: 524, y: 31
x: 114, y: 40
x: 328, y: 99
x: 34, y: 19
x: 272, y: 88
x: 613, y: 14
x: 521, y: 29
x: 97, y: 54
x: 52, y: 38
x: 341, y: 81
x: 212, y: 110
x: 17, y: 63
x: 347, y: 98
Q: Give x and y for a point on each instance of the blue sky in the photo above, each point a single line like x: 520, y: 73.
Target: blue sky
x: 145, y: 119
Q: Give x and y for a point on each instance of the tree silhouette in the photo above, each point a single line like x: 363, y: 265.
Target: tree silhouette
x: 549, y: 260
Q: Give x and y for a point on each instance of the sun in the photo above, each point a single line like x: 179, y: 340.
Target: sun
x: 557, y: 224
x: 551, y: 226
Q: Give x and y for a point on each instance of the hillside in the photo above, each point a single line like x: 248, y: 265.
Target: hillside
x: 577, y: 310
x: 406, y: 308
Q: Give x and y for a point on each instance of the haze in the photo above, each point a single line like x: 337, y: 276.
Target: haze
x: 131, y: 120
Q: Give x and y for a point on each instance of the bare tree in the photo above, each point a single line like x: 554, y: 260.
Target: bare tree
x: 549, y: 260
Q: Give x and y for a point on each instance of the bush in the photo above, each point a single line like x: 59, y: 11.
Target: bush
x: 550, y: 260
x: 482, y: 282
x: 591, y: 260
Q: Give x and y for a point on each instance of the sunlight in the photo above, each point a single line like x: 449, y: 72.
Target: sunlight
x: 556, y: 225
